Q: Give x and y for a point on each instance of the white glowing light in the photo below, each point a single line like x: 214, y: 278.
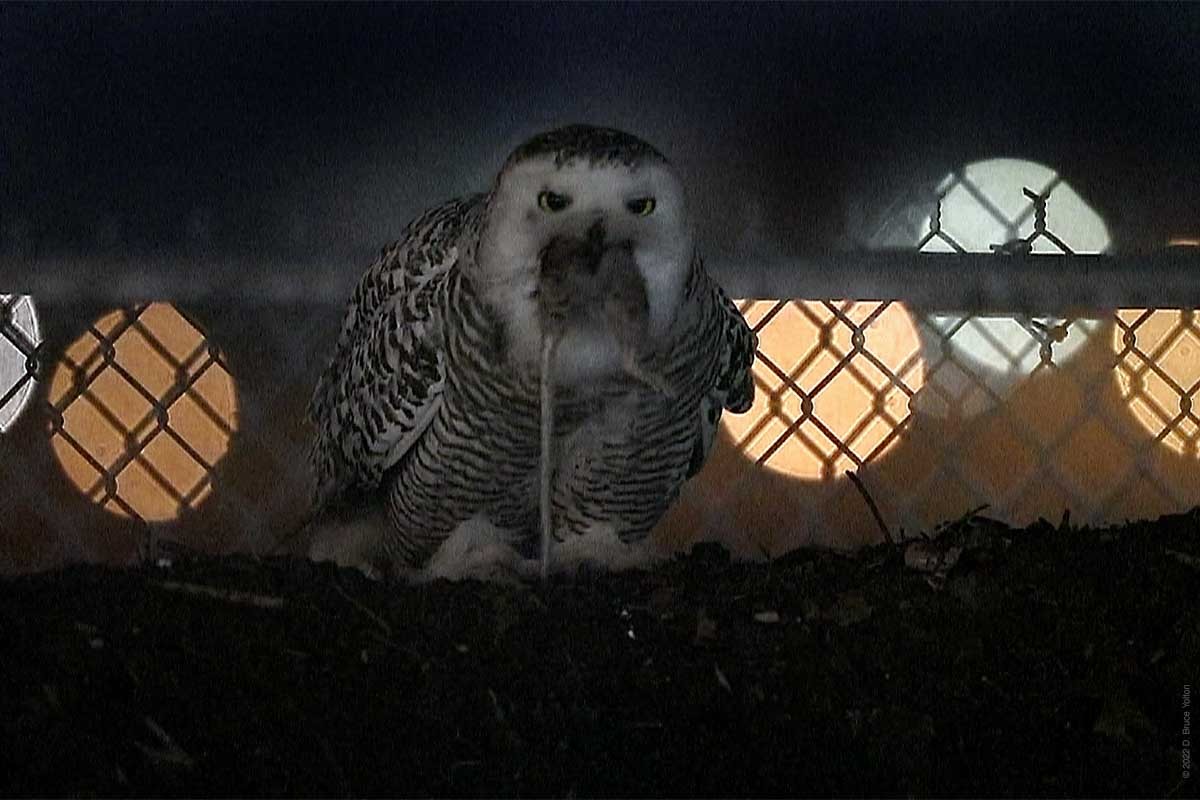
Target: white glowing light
x: 20, y: 334
x: 986, y: 207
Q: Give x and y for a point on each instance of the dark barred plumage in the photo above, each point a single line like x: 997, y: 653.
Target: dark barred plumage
x: 384, y: 381
x: 595, y: 145
x: 423, y: 405
x: 629, y: 473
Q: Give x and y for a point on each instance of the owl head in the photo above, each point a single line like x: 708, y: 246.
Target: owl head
x: 589, y: 192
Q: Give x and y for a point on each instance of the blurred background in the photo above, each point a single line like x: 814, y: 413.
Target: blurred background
x: 309, y: 134
x: 188, y: 193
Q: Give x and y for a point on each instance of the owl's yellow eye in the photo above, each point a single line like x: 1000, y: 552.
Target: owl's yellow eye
x: 552, y: 201
x: 642, y: 206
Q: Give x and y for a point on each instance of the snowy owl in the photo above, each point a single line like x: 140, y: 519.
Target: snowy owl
x: 429, y: 407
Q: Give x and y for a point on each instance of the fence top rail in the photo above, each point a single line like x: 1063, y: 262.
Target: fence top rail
x: 969, y: 282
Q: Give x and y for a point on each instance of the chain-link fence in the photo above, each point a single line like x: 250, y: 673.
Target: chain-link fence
x: 20, y: 340
x: 1109, y: 433
x: 155, y: 422
x: 1090, y: 413
x: 127, y: 427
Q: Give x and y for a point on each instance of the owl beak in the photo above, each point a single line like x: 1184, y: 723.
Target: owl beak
x: 594, y: 240
x: 565, y: 256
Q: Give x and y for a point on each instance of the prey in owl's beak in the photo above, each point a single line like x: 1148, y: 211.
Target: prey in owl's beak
x: 592, y: 291
x: 588, y: 284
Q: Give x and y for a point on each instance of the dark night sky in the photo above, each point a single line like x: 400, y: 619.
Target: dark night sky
x: 315, y: 132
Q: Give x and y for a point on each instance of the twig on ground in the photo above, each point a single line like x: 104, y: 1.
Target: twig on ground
x: 958, y: 523
x: 167, y: 751
x: 226, y: 595
x: 858, y: 484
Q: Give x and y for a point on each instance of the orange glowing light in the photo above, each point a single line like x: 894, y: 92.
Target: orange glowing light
x: 1158, y: 369
x: 825, y: 402
x: 147, y: 408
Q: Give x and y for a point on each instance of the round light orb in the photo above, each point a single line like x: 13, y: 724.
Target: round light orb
x: 1158, y: 370
x: 143, y: 407
x: 20, y: 337
x: 975, y: 361
x: 825, y: 399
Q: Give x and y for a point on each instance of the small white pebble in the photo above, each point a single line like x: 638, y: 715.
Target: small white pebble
x: 767, y: 617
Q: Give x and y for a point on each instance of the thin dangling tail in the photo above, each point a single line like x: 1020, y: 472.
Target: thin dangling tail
x: 549, y: 345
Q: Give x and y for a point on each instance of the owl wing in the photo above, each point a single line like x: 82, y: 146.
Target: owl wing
x: 733, y: 387
x: 735, y: 381
x: 383, y: 385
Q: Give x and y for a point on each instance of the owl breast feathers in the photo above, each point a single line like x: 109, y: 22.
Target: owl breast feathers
x: 429, y: 405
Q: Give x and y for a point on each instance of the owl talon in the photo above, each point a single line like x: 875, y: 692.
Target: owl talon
x: 478, y: 550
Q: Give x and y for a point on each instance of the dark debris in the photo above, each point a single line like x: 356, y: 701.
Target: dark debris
x: 1048, y: 662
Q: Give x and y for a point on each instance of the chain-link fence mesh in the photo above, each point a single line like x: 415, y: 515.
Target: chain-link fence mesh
x: 140, y: 410
x: 156, y: 422
x: 127, y: 427
x: 940, y: 413
x: 1109, y: 434
x: 20, y: 340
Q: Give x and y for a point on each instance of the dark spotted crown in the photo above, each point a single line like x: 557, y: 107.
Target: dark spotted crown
x: 598, y: 146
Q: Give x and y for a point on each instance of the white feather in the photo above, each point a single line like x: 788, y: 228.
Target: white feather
x: 517, y: 230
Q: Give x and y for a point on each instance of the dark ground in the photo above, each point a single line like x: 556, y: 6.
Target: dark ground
x: 1049, y: 661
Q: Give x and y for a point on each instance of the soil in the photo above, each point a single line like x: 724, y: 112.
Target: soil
x: 985, y: 660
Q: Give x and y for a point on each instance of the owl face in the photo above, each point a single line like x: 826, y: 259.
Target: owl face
x: 564, y: 221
